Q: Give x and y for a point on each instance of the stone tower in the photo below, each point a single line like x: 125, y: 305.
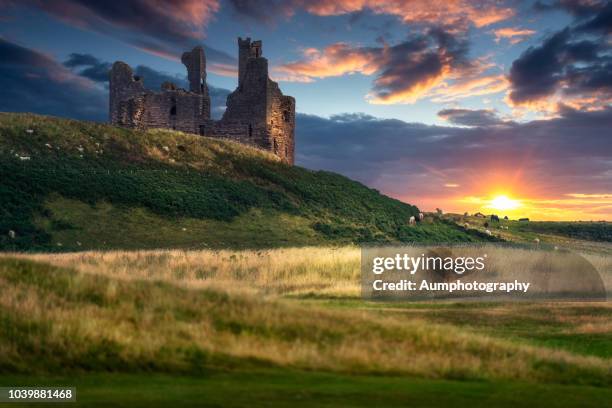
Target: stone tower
x: 259, y: 105
x: 195, y: 61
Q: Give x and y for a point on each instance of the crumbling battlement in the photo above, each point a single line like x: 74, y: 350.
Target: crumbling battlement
x: 257, y: 113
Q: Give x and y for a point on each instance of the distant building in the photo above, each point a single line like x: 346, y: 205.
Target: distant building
x: 257, y: 113
x: 523, y: 219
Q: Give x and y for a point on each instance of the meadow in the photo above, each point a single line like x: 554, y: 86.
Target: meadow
x: 157, y: 268
x: 288, y: 323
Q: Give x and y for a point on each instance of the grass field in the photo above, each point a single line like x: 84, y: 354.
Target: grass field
x: 285, y: 326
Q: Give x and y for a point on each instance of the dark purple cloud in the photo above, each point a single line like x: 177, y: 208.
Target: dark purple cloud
x: 89, y: 66
x: 163, y: 27
x: 32, y: 82
x: 575, y: 62
x: 578, y: 8
x: 471, y: 117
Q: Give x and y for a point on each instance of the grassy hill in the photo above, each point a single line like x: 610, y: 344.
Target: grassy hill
x: 70, y: 185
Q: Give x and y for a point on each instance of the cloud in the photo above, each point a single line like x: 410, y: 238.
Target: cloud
x: 89, y: 66
x: 413, y: 162
x: 468, y: 87
x: 433, y: 66
x: 578, y: 8
x: 414, y: 67
x: 471, y: 117
x: 92, y: 68
x: 571, y: 67
x: 167, y: 20
x: 334, y: 60
x: 458, y: 13
x: 33, y: 82
x: 161, y: 27
x: 512, y: 34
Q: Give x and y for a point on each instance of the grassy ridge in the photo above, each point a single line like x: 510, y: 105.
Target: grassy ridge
x: 172, y: 177
x: 592, y: 231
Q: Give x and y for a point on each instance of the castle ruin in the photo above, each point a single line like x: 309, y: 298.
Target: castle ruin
x: 257, y: 112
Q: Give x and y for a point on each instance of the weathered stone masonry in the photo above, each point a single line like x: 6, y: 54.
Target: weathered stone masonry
x: 257, y: 113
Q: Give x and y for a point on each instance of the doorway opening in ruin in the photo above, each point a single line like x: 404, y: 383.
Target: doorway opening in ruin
x: 173, y: 113
x: 173, y: 107
x: 250, y: 130
x: 275, y: 147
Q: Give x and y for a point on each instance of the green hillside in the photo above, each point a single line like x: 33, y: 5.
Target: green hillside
x: 70, y: 185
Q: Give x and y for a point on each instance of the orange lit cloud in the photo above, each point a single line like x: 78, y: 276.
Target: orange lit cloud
x: 551, y: 106
x: 513, y: 35
x: 443, y: 12
x: 334, y: 60
x: 465, y: 88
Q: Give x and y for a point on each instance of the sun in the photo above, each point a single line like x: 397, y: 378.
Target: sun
x: 503, y: 203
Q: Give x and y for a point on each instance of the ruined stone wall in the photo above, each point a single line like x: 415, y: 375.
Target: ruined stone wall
x: 131, y: 105
x: 131, y: 112
x: 257, y: 113
x: 123, y: 86
x: 195, y: 62
x: 175, y: 109
x: 281, y: 121
x: 253, y: 135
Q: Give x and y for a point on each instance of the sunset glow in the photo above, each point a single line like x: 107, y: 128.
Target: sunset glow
x: 503, y: 203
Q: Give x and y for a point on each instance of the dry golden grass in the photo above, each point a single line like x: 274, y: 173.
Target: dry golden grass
x: 60, y: 318
x: 321, y: 271
x: 324, y: 271
x: 158, y: 308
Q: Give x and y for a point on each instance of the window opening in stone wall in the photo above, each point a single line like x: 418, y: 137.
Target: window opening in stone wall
x: 250, y: 130
x: 286, y: 116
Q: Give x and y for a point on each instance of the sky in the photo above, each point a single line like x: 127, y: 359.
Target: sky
x: 465, y: 105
